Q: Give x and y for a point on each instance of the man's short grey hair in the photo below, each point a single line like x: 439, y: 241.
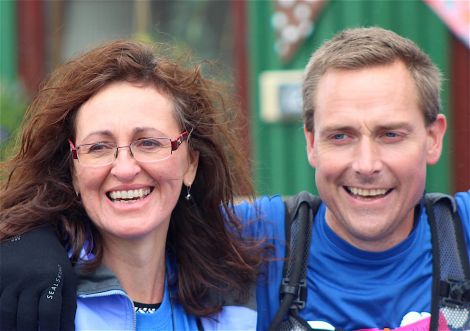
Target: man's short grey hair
x: 359, y: 48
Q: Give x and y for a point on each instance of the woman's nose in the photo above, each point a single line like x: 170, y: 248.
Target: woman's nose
x: 124, y: 166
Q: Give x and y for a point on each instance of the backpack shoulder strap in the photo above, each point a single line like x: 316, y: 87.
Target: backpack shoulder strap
x: 451, y: 270
x: 300, y: 210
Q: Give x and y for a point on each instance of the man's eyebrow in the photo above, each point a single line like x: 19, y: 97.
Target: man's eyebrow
x: 334, y: 128
x: 387, y: 126
x: 395, y: 125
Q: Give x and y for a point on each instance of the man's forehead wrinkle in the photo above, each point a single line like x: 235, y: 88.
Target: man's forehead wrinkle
x: 369, y: 128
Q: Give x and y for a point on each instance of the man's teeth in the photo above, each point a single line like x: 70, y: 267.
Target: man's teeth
x: 130, y: 194
x: 367, y: 193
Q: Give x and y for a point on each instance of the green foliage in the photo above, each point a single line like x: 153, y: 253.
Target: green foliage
x: 12, y: 108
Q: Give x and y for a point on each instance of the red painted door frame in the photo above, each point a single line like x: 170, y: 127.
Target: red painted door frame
x: 240, y: 65
x: 31, y: 43
x: 460, y: 103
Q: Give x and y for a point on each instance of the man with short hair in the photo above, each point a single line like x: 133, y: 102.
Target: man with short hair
x: 372, y: 124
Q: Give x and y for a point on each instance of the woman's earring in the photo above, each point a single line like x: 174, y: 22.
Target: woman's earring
x: 188, y: 193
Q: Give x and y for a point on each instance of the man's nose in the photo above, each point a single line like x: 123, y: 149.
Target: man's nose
x: 367, y: 159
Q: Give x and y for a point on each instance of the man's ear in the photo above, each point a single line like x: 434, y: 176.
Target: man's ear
x: 435, y: 137
x: 310, y: 140
x: 190, y: 174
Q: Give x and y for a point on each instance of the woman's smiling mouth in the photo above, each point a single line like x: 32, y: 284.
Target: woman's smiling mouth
x: 127, y: 196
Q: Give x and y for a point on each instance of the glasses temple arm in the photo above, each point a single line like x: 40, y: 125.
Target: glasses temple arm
x: 73, y: 150
x: 178, y: 141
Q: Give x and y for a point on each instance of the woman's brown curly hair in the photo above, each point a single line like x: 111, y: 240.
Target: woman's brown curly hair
x: 204, y: 234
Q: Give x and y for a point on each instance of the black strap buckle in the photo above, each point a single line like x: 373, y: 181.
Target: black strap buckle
x: 299, y: 292
x: 455, y: 293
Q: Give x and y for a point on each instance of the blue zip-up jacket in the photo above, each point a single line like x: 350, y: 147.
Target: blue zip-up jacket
x: 102, y: 304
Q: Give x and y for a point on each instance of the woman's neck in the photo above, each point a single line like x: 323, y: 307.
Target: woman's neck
x: 139, y: 265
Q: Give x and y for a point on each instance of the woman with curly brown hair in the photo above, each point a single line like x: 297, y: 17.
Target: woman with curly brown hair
x: 130, y: 157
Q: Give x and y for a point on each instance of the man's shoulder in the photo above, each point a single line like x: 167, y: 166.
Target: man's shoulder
x: 463, y: 206
x: 262, y: 207
x: 263, y: 217
x: 463, y: 203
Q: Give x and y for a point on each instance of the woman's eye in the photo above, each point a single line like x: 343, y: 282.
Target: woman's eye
x: 148, y: 143
x: 99, y: 147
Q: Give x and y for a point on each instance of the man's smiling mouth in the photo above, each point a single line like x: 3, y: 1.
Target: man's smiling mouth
x: 129, y: 195
x: 367, y: 193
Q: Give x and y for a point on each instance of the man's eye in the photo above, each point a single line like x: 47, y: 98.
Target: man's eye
x: 391, y: 134
x: 339, y: 136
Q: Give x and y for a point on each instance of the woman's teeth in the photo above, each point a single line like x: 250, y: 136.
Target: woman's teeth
x: 129, y: 194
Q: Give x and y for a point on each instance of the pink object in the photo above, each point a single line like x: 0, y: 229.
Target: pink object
x: 456, y: 15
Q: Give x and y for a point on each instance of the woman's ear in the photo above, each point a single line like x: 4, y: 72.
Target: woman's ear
x: 74, y: 181
x: 190, y: 174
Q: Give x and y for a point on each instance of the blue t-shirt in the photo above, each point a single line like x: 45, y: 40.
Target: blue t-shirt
x: 349, y: 288
x: 168, y: 316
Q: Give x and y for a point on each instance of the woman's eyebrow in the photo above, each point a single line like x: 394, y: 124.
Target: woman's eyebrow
x: 143, y: 129
x: 101, y: 133
x: 135, y: 131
